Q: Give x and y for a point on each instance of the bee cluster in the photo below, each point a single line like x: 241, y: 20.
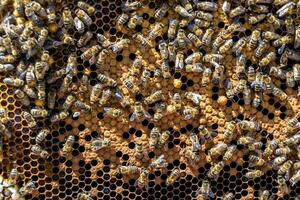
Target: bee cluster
x: 177, y: 99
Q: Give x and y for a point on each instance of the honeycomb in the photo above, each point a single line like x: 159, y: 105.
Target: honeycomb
x: 96, y: 174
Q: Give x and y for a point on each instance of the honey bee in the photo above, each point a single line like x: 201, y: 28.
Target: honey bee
x: 255, y: 146
x: 89, y: 53
x: 226, y: 7
x: 69, y: 101
x: 159, y: 163
x: 143, y: 180
x: 86, y: 7
x: 154, y: 97
x: 84, y: 17
x: 179, y: 61
x: 56, y: 75
x: 156, y: 31
x: 84, y: 39
x: 173, y: 24
x: 207, y: 6
x: 175, y: 174
x: 190, y: 112
x: 79, y: 25
x: 119, y: 46
x: 269, y: 35
x: 22, y: 97
x: 231, y: 150
x: 139, y: 112
x: 239, y: 45
x: 253, y: 41
x: 278, y: 161
x: 225, y: 48
x: 159, y: 111
x: 267, y: 59
x: 207, y: 37
x: 15, y: 82
x: 255, y: 19
x: 13, y: 175
x: 262, y: 48
x: 193, y: 58
x: 195, y: 142
x: 104, y: 41
x: 297, y: 38
x: 59, y: 116
x: 131, y: 6
x: 215, y: 170
x: 130, y: 86
x: 270, y: 148
x: 134, y: 21
x: 124, y: 102
x: 219, y: 149
x: 230, y: 130
x: 280, y: 94
x: 30, y: 120
x: 127, y: 170
x: 66, y: 83
x: 295, y: 178
x: 194, y: 39
x: 205, y: 190
x: 139, y: 151
x: 106, y: 94
x: 228, y: 196
x: 296, y: 72
x: 206, y: 76
x: 163, y: 49
x: 100, y: 144
x: 247, y: 95
x: 28, y: 188
x: 290, y: 81
x: 282, y: 151
x: 164, y: 137
x: 154, y: 137
x: 194, y: 97
x: 42, y: 135
x: 256, y: 161
x: 183, y: 12
x: 122, y: 19
x: 106, y: 80
x: 285, y: 168
x: 42, y: 37
x: 245, y: 140
x: 284, y: 40
x: 51, y: 99
x: 136, y: 67
x: 112, y: 112
x: 249, y: 125
x: 239, y: 10
x: 95, y: 93
x: 101, y: 58
x: 190, y: 155
x: 203, y: 132
x: 4, y: 131
x: 143, y: 41
x: 285, y: 9
x: 7, y: 59
x: 264, y: 195
x: 68, y: 146
x: 67, y: 19
x: 84, y: 196
x: 82, y: 106
x: 37, y: 150
x: 252, y: 174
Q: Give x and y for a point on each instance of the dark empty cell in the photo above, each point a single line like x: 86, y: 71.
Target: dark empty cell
x: 283, y: 86
x: 183, y: 130
x: 81, y: 127
x: 259, y: 108
x: 88, y: 138
x: 182, y: 166
x: 145, y: 122
x: 170, y: 145
x: 125, y: 157
x: 241, y: 102
x: 271, y: 116
x: 271, y: 101
x: 229, y: 103
x: 283, y: 109
x: 138, y: 28
x: 215, y: 97
x: 151, y: 154
x: 126, y: 135
x: 119, y: 154
x: 138, y: 133
x: 282, y: 116
x: 150, y: 126
x: 69, y: 127
x: 183, y: 79
x: 119, y: 58
x: 215, y: 89
x: 151, y: 111
x: 235, y: 38
x: 265, y: 111
x: 132, y: 130
x: 177, y: 75
x: 277, y: 105
x: 214, y: 126
x: 221, y: 24
x: 189, y: 127
x: 170, y: 166
x: 183, y: 87
x: 189, y: 52
x: 190, y: 83
x: 81, y: 149
x: 131, y: 145
x: 176, y: 141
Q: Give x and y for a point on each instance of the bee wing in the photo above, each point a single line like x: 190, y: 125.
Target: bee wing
x: 281, y: 49
x: 287, y: 175
x: 76, y: 114
x: 92, y: 60
x: 31, y: 52
x: 188, y: 117
x: 147, y: 114
x: 119, y: 95
x: 106, y: 109
x: 132, y: 117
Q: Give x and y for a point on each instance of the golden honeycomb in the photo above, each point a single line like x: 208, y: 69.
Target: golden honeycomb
x: 96, y: 173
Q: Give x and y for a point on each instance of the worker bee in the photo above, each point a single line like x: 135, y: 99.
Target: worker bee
x: 101, y: 58
x: 104, y: 41
x: 255, y: 146
x: 68, y: 146
x: 90, y: 53
x: 280, y: 94
x: 251, y: 74
x: 282, y: 151
x: 130, y: 86
x: 22, y: 97
x: 154, y: 137
x: 86, y: 7
x: 193, y: 58
x: 84, y: 17
x: 295, y: 139
x: 4, y: 131
x: 79, y: 25
x: 203, y: 132
x: 249, y: 125
x: 267, y: 59
x: 127, y: 170
x: 290, y: 81
x: 226, y: 7
x: 207, y: 37
x: 190, y: 112
x: 124, y: 102
x: 82, y: 106
x: 37, y: 150
x: 139, y: 152
x: 239, y: 45
x: 175, y: 174
x: 261, y: 48
x: 205, y: 190
x: 84, y: 196
x: 183, y: 12
x: 264, y: 195
x: 207, y: 6
x: 42, y: 135
x: 270, y: 148
x: 164, y: 137
x: 156, y: 31
x: 56, y: 75
x: 296, y: 72
x: 206, y: 76
x: 100, y: 144
x: 67, y: 19
x: 139, y: 112
x: 194, y: 97
x: 143, y: 41
x: 13, y: 176
x: 247, y: 95
x: 245, y: 140
x: 257, y: 100
x: 295, y: 178
x: 59, y: 116
x: 230, y: 130
x: 159, y: 163
x: 28, y: 188
x: 15, y: 82
x: 284, y: 40
x: 182, y: 40
x: 179, y: 61
x: 119, y: 46
x: 297, y: 38
x: 255, y: 19
x: 84, y: 39
x: 195, y: 142
x: 285, y: 9
x: 163, y: 49
x: 66, y: 83
x: 69, y: 101
x: 51, y: 99
x: 239, y: 10
x: 219, y: 149
x: 42, y: 37
x: 231, y: 150
x: 194, y: 39
x: 173, y: 24
x: 131, y: 6
x: 95, y: 93
x: 106, y: 94
x: 225, y: 48
x: 159, y: 111
x: 285, y: 167
x: 122, y: 19
x: 196, y: 67
x: 252, y: 174
x: 278, y: 161
x: 154, y: 97
x: 191, y: 156
x: 253, y: 41
x: 256, y: 161
x: 215, y: 170
x: 112, y: 112
x: 106, y: 80
x: 143, y: 180
x: 134, y: 21
x: 30, y: 120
